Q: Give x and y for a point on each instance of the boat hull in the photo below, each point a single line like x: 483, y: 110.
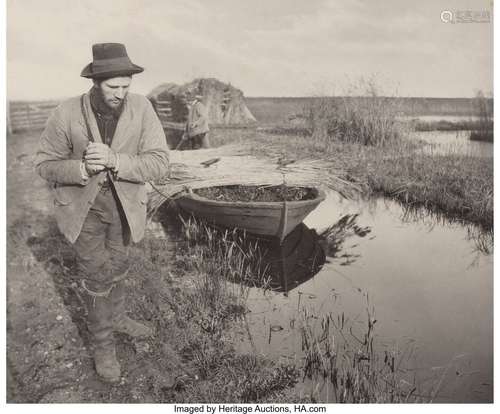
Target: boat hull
x: 274, y: 219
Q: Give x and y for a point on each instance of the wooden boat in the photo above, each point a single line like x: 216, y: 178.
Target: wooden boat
x: 274, y: 219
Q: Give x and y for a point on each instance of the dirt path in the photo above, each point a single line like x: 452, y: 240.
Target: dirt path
x: 45, y: 352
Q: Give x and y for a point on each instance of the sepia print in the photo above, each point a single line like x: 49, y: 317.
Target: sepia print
x: 261, y: 202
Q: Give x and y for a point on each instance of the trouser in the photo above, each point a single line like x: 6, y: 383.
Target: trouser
x: 102, y: 249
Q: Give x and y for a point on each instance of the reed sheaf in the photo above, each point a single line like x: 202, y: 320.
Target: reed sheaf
x: 235, y: 166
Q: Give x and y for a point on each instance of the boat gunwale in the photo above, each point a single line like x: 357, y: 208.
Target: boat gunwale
x: 320, y: 196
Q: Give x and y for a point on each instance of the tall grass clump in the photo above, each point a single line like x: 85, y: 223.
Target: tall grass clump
x: 484, y: 129
x: 362, y: 116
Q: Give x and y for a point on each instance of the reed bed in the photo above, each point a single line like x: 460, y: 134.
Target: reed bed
x: 367, y: 117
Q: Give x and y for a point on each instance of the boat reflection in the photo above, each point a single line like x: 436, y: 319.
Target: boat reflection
x: 277, y: 266
x: 296, y: 260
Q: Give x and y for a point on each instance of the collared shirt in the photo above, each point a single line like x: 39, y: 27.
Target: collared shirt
x: 106, y: 117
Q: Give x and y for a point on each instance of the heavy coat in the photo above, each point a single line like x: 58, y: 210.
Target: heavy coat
x: 143, y: 156
x: 197, y: 122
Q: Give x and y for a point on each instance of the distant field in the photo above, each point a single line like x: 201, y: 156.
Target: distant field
x: 26, y: 115
x: 277, y: 110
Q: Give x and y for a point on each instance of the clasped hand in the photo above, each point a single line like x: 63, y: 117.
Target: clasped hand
x: 99, y: 157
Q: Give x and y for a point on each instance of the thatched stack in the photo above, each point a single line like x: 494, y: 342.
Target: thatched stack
x: 225, y: 103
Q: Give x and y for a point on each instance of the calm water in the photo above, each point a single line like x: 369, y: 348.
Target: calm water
x: 431, y: 289
x: 455, y: 142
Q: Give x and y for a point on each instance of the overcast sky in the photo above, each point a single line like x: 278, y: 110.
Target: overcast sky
x: 264, y: 47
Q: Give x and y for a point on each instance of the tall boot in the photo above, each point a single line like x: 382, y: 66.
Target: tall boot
x: 121, y: 322
x: 100, y: 326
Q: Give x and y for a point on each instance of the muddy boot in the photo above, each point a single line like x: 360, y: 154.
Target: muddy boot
x: 100, y: 326
x: 121, y: 322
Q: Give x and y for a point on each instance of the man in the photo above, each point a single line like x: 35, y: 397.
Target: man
x: 196, y: 131
x: 98, y: 150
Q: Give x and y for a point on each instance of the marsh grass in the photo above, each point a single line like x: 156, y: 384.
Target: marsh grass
x: 227, y: 262
x: 366, y: 117
x: 458, y: 186
x: 345, y: 363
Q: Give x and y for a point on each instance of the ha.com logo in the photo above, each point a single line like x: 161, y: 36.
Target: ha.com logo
x: 465, y: 16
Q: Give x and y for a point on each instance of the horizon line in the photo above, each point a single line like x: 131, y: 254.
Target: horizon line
x: 280, y: 97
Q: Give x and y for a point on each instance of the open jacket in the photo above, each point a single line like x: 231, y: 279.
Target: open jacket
x: 197, y: 122
x: 140, y: 142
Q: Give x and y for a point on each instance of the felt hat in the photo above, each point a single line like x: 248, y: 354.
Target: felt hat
x: 110, y: 60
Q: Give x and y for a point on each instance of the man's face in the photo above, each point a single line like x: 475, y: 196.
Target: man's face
x: 114, y: 90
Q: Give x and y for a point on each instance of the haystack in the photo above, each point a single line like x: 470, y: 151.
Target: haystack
x: 225, y: 103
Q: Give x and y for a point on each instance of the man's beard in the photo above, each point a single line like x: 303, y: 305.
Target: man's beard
x: 116, y: 110
x: 112, y: 110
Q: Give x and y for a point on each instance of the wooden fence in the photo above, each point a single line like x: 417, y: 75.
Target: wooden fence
x: 28, y: 115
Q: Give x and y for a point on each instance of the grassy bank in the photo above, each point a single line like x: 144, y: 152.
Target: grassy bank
x: 364, y: 139
x: 191, y: 358
x: 182, y: 290
x: 460, y: 187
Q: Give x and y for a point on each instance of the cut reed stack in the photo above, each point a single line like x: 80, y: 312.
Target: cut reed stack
x: 236, y: 167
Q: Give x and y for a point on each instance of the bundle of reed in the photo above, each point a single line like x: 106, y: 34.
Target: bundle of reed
x: 231, y: 165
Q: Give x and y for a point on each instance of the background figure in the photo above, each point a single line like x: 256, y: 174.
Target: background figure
x: 196, y: 132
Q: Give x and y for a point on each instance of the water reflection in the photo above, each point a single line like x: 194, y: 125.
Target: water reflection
x: 335, y: 236
x: 280, y: 267
x: 294, y: 262
x: 428, y: 280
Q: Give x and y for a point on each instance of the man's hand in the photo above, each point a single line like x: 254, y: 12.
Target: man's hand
x: 93, y: 169
x: 100, y: 155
